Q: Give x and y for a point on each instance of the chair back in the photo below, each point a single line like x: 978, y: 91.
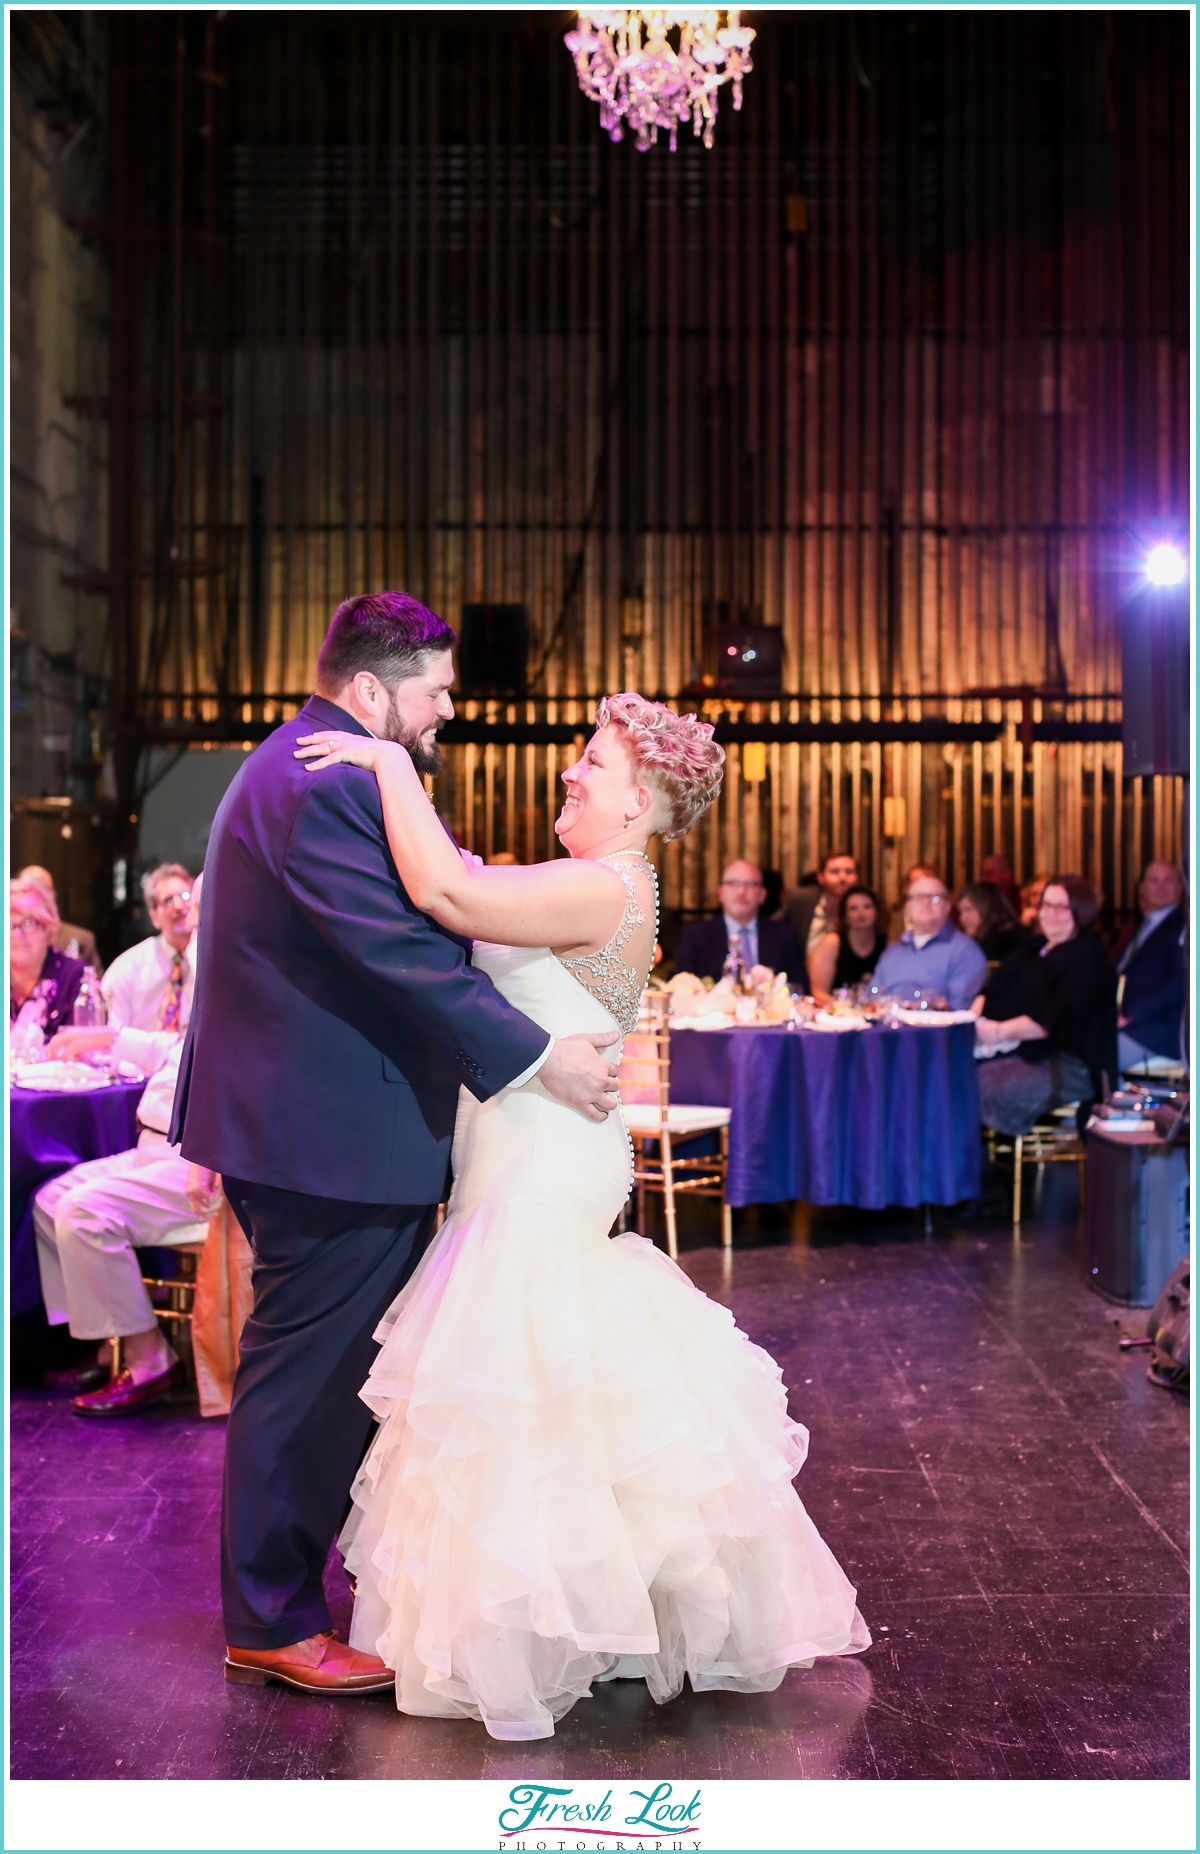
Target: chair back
x: 644, y: 1073
x: 224, y: 1298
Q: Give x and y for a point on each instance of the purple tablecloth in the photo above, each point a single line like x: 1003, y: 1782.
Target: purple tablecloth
x: 48, y: 1134
x: 870, y: 1117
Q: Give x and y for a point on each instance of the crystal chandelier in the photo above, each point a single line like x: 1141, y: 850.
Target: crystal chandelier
x: 649, y: 82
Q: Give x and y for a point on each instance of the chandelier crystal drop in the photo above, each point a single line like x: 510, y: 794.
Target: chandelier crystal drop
x: 628, y: 65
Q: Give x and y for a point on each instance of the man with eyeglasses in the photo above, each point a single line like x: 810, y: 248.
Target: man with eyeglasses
x: 150, y: 986
x: 705, y: 945
x: 931, y: 960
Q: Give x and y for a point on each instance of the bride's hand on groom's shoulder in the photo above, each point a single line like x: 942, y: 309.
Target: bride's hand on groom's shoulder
x: 334, y: 748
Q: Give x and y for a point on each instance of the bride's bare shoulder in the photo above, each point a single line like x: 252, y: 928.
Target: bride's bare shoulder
x: 577, y: 872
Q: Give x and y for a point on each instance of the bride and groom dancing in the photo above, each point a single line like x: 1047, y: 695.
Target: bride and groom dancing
x: 582, y: 1469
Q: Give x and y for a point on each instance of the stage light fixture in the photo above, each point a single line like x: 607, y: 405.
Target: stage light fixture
x: 1166, y: 565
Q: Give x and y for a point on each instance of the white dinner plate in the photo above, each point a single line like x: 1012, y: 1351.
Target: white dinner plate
x: 59, y: 1077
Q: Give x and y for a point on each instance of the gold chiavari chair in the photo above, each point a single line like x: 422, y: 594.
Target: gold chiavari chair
x: 1053, y: 1140
x: 656, y: 1124
x: 177, y: 1294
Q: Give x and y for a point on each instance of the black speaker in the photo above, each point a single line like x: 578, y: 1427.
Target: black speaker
x: 1136, y: 1223
x: 1155, y: 664
x: 749, y: 659
x: 493, y: 647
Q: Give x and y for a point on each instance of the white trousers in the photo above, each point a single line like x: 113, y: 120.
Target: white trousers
x: 89, y: 1222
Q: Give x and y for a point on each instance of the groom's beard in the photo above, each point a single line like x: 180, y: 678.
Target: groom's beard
x: 425, y: 753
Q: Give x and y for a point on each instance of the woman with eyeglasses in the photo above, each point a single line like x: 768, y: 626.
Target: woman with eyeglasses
x: 1050, y: 1015
x: 43, y: 983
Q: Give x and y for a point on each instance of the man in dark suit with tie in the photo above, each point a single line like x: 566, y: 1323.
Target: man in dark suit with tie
x: 1151, y: 965
x: 331, y: 1029
x: 704, y: 945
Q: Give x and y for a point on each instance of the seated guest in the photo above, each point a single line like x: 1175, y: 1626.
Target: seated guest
x: 75, y: 942
x: 998, y: 871
x: 852, y: 953
x: 1151, y: 965
x: 1056, y: 1000
x: 931, y: 960
x: 812, y: 908
x: 1031, y: 901
x: 43, y: 983
x: 704, y: 946
x: 150, y: 986
x: 984, y: 912
x: 90, y: 1221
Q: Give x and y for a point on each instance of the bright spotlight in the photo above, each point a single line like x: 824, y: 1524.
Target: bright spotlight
x: 1166, y: 565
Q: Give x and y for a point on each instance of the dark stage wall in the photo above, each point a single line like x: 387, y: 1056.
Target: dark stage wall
x: 899, y: 367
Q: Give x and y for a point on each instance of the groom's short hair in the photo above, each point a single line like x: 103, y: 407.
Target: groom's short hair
x: 388, y: 633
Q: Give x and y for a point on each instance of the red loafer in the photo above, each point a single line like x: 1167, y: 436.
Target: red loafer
x: 319, y: 1664
x: 122, y: 1397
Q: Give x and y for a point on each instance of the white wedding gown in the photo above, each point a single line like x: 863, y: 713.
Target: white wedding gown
x: 583, y: 1469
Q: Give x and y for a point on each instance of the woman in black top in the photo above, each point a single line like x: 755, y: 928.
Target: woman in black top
x: 984, y: 912
x: 851, y: 954
x: 1056, y: 1000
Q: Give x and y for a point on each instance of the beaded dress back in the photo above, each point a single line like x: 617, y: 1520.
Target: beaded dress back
x: 607, y: 974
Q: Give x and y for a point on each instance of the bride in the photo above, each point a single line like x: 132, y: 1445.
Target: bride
x: 583, y: 1469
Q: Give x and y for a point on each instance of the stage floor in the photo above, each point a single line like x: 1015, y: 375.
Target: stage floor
x: 1005, y: 1488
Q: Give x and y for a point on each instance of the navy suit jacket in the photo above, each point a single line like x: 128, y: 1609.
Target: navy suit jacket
x: 332, y: 1023
x: 703, y: 946
x: 1153, y: 995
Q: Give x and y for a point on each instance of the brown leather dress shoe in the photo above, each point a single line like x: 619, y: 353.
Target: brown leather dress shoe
x: 122, y: 1397
x: 319, y: 1664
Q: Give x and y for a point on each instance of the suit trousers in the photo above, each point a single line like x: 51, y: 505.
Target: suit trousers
x: 91, y: 1221
x: 325, y: 1272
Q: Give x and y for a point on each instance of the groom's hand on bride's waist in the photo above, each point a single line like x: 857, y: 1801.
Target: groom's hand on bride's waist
x: 576, y: 1073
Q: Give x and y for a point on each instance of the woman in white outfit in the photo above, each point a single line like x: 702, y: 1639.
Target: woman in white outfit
x: 583, y: 1469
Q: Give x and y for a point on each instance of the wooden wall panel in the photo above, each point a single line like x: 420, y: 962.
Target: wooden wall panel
x: 900, y: 366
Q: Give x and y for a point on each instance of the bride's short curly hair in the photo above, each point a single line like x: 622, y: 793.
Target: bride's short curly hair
x: 676, y: 755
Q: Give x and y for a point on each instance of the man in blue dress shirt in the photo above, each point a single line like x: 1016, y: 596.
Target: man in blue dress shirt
x: 931, y: 959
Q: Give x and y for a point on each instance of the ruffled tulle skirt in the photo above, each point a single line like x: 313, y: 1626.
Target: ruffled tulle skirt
x: 583, y: 1470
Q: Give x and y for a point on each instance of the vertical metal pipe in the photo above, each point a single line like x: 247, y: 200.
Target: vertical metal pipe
x: 431, y: 451
x: 125, y: 440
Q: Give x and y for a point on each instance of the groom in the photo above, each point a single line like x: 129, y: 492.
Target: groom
x: 331, y: 1030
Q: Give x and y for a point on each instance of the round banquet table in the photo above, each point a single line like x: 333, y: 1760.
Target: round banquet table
x: 864, y: 1117
x: 48, y: 1134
